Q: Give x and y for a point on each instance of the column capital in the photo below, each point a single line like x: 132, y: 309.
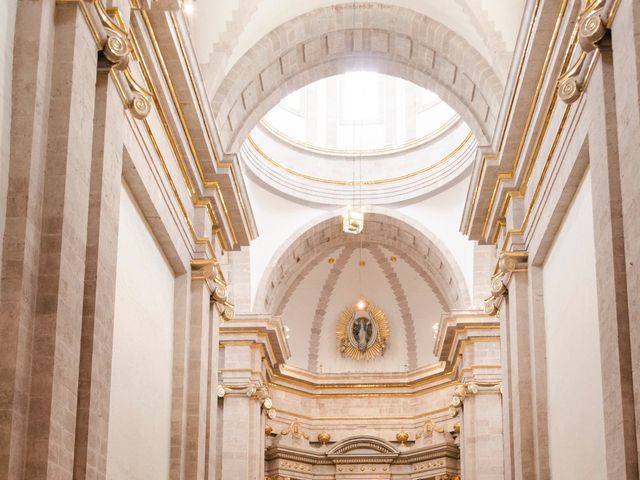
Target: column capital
x: 594, y: 22
x: 508, y: 264
x: 114, y: 41
x: 207, y: 270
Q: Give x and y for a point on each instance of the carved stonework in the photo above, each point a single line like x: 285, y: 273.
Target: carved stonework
x: 324, y: 438
x: 295, y: 430
x: 508, y: 263
x: 592, y: 28
x: 365, y: 457
x: 429, y: 427
x: 469, y: 389
x: 208, y: 270
x: 402, y: 437
x: 116, y: 46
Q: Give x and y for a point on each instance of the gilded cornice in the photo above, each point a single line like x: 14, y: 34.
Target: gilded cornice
x: 501, y: 178
x: 462, y: 328
x: 593, y: 24
x: 132, y: 54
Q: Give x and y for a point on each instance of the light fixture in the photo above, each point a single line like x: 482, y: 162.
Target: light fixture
x: 188, y: 7
x: 362, y: 304
x: 353, y: 221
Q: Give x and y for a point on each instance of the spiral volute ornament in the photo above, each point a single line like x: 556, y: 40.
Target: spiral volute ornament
x: 219, y: 293
x: 140, y: 106
x: 592, y: 30
x: 116, y: 50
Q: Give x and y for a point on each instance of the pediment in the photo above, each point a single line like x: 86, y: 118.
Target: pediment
x: 363, y: 446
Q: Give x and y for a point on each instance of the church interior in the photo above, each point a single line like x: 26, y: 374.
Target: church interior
x: 319, y: 240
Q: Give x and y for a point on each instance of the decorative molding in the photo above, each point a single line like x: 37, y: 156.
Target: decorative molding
x: 295, y: 431
x: 207, y: 270
x: 324, y: 437
x: 373, y: 347
x: 115, y: 43
x: 365, y: 455
x: 592, y: 28
x: 466, y: 390
x: 508, y: 264
x: 402, y: 437
x: 429, y: 427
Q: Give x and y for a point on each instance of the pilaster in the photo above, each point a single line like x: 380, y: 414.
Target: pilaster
x: 251, y: 346
x: 32, y: 69
x: 473, y: 340
x: 58, y: 320
x: 625, y: 37
x: 99, y: 283
x: 613, y: 312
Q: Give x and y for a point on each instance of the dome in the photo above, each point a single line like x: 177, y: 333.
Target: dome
x: 360, y: 113
x: 359, y: 134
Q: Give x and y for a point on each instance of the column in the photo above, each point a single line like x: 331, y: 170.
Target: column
x: 242, y: 434
x: 481, y: 433
x: 625, y: 35
x: 481, y: 430
x: 58, y: 320
x: 32, y: 69
x: 250, y: 346
x: 99, y: 283
x: 538, y: 362
x: 613, y: 307
x: 198, y: 377
x: 181, y: 333
x: 520, y: 378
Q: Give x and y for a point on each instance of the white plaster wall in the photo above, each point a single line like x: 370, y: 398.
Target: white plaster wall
x: 576, y: 420
x: 140, y: 408
x: 7, y: 30
x: 277, y: 218
x: 300, y: 310
x: 441, y: 215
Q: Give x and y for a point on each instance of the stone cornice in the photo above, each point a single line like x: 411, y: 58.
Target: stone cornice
x: 460, y: 327
x: 566, y: 37
x: 267, y: 332
x: 151, y: 60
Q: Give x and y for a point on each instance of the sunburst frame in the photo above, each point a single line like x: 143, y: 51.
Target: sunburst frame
x: 382, y: 333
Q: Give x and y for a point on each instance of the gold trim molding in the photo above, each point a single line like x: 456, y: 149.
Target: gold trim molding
x: 592, y: 28
x: 269, y: 160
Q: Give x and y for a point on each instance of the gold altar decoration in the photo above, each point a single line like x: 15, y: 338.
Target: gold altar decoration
x: 295, y: 430
x: 402, y: 437
x: 362, y: 332
x: 429, y: 427
x: 324, y: 437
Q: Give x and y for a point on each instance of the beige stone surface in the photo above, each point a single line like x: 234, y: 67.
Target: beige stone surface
x: 108, y: 378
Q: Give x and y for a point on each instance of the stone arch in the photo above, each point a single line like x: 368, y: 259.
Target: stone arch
x: 324, y: 42
x: 418, y: 247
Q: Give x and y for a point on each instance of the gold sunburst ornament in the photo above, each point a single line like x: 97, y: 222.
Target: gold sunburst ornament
x: 362, y: 331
